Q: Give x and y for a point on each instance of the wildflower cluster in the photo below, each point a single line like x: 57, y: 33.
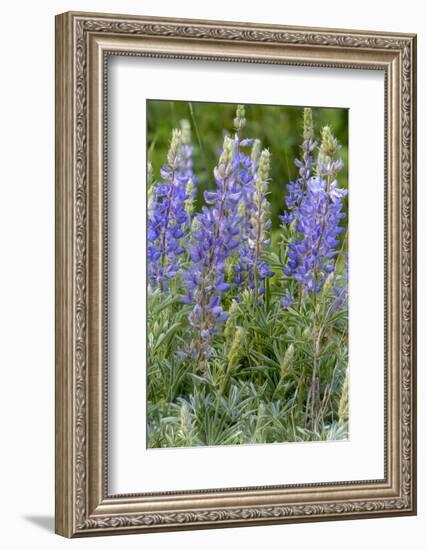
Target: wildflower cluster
x: 242, y: 304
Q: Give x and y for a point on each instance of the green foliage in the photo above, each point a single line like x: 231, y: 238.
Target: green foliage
x: 257, y: 385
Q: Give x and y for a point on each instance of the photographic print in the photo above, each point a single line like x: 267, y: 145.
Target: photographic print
x: 247, y: 270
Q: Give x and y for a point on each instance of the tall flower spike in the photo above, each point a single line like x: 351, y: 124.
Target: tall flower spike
x: 288, y: 357
x: 311, y: 257
x: 297, y: 188
x: 240, y: 120
x: 308, y: 132
x: 190, y: 191
x: 327, y: 163
x: 185, y: 168
x: 246, y: 164
x: 166, y: 218
x: 240, y: 268
x: 308, y: 146
x: 260, y: 224
x: 214, y: 239
x: 255, y: 155
x: 317, y: 216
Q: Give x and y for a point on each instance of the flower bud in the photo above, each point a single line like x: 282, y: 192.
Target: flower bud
x: 185, y: 418
x: 195, y: 225
x: 308, y: 124
x: 189, y: 202
x: 293, y: 227
x: 226, y: 155
x: 174, y: 147
x: 327, y: 286
x: 256, y: 149
x: 240, y: 120
x: 329, y: 146
x: 264, y: 166
x: 287, y: 360
x: 233, y: 355
x: 241, y: 208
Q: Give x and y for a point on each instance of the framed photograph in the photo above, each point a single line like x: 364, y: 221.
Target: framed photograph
x: 235, y: 274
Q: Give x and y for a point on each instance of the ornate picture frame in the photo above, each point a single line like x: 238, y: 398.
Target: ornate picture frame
x: 84, y: 42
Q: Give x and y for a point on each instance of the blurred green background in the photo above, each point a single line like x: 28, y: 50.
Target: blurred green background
x: 278, y: 127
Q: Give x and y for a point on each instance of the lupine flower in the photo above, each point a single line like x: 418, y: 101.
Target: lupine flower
x: 252, y: 210
x: 190, y: 191
x: 167, y: 217
x: 243, y: 264
x: 287, y: 361
x: 308, y: 146
x: 240, y: 120
x: 251, y: 269
x: 185, y: 166
x: 255, y: 155
x: 260, y: 224
x: 215, y: 236
x: 327, y: 164
x: 185, y: 169
x: 311, y: 257
x: 247, y: 163
x: 296, y: 189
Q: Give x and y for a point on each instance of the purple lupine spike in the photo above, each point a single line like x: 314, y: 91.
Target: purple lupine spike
x: 166, y: 218
x: 296, y: 189
x: 242, y: 268
x: 185, y: 170
x: 317, y: 214
x: 311, y: 257
x: 259, y: 226
x: 215, y: 237
x: 245, y: 162
x: 246, y: 165
x: 185, y: 166
x: 308, y: 145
